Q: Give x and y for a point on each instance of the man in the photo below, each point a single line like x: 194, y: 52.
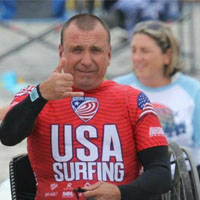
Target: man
x: 84, y: 131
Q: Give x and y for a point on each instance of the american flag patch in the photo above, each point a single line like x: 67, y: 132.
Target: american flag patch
x: 145, y: 105
x: 85, y: 107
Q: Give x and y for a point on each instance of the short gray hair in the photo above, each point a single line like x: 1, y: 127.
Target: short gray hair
x: 85, y: 21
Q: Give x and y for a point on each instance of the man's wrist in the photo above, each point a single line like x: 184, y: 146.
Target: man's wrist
x: 36, y: 95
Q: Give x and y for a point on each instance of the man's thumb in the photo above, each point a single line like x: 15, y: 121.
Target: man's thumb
x: 61, y: 65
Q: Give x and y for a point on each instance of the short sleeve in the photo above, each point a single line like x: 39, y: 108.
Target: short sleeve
x: 22, y: 94
x: 148, y: 130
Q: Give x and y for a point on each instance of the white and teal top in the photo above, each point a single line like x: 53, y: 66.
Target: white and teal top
x: 178, y: 108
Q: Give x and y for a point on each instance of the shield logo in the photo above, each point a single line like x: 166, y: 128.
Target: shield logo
x: 85, y: 107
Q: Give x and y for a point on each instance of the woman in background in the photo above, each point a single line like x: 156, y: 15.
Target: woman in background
x: 157, y: 71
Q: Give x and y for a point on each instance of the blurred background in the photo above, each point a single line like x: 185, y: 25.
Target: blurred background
x: 29, y: 38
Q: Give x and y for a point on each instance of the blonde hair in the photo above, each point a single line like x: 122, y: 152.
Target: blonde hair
x: 165, y: 39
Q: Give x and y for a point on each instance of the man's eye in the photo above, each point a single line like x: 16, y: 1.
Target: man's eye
x: 96, y: 49
x: 76, y: 50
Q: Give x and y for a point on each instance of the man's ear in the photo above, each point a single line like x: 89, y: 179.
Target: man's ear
x: 60, y: 50
x: 109, y: 55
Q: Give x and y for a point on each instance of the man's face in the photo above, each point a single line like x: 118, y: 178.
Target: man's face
x: 88, y: 55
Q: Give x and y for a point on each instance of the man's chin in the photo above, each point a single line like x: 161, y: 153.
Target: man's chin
x: 85, y: 86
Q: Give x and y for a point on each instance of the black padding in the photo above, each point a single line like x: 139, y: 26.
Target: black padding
x: 22, y: 179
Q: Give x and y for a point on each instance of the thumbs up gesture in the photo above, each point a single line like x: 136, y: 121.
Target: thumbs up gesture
x: 58, y: 85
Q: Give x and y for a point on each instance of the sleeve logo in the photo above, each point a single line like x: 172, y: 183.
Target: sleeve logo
x: 156, y: 131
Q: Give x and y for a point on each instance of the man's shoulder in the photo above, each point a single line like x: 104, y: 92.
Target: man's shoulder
x: 124, y: 89
x: 26, y: 90
x: 22, y: 94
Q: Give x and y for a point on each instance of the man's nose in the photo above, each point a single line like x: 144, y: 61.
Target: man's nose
x: 86, y: 59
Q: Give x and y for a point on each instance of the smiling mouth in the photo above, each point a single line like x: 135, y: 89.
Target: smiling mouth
x: 85, y: 72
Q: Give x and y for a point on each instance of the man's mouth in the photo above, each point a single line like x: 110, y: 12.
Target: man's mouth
x: 85, y: 71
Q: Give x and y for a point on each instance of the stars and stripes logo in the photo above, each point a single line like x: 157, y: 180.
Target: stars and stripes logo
x: 24, y: 91
x: 85, y: 107
x: 145, y: 105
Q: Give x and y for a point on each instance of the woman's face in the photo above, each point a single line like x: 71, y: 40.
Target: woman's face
x: 148, y: 59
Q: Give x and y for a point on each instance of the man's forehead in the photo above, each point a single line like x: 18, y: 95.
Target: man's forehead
x: 74, y: 27
x: 73, y: 31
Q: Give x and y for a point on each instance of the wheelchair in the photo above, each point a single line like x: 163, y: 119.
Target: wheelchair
x: 22, y: 179
x: 185, y: 179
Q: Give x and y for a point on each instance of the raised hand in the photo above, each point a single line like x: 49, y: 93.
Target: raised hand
x: 58, y: 85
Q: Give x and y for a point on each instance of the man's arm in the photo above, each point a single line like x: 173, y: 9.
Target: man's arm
x: 19, y: 121
x: 3, y: 111
x: 156, y: 178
